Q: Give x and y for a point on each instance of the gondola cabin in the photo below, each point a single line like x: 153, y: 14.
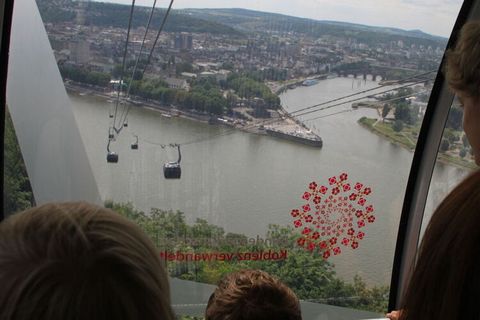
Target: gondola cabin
x: 172, y: 170
x: 112, y: 157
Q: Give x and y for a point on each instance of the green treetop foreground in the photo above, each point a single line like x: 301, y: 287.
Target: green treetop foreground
x: 308, y: 274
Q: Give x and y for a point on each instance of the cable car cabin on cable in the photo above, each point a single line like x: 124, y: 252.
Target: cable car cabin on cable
x: 172, y: 170
x: 112, y: 157
x: 134, y: 146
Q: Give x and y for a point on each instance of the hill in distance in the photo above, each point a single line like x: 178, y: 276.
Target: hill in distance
x: 232, y: 22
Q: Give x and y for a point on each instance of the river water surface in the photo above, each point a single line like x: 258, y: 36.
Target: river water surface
x: 244, y: 182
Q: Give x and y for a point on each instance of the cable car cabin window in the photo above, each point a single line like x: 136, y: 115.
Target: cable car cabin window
x: 296, y: 126
x: 455, y: 148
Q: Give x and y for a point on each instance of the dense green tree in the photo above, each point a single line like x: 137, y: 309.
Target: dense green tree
x: 17, y: 192
x: 308, y: 274
x: 450, y: 136
x: 397, y: 125
x: 183, y: 67
x: 385, y: 110
x: 444, y: 145
x: 85, y: 76
x: 455, y: 118
x: 405, y: 113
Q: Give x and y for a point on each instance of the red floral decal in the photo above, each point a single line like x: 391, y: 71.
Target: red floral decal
x: 295, y: 213
x: 332, y: 180
x: 301, y: 242
x: 337, y: 250
x: 328, y: 222
x: 297, y: 223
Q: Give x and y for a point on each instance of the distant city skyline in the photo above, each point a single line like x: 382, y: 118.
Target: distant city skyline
x: 435, y: 17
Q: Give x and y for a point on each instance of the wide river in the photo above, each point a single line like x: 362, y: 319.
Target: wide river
x: 244, y: 182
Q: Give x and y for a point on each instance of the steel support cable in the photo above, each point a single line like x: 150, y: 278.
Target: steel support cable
x: 270, y: 121
x: 157, y: 37
x: 354, y: 100
x: 127, y: 95
x: 363, y: 91
x: 150, y: 54
x: 351, y: 110
x: 123, y: 65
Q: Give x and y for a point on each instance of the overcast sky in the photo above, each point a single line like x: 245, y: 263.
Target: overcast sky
x: 432, y: 16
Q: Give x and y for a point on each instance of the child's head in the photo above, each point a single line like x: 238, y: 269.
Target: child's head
x: 79, y: 261
x: 446, y: 282
x: 463, y: 76
x: 463, y: 62
x: 252, y: 295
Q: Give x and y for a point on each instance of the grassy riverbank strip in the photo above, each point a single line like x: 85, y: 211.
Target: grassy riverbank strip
x: 385, y: 130
x: 407, y: 139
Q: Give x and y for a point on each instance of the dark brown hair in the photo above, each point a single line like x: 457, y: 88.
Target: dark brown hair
x: 252, y: 295
x: 446, y: 281
x: 463, y: 62
x: 78, y: 261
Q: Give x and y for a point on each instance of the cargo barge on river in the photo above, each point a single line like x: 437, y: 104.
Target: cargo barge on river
x: 305, y: 137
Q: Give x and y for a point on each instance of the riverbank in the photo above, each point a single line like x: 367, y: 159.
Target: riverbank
x: 407, y: 139
x: 280, y: 119
x: 278, y: 87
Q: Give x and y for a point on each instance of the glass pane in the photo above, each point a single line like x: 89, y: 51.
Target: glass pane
x: 454, y: 161
x: 267, y: 137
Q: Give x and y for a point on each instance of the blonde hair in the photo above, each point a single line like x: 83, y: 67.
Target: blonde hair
x: 252, y: 295
x: 463, y: 62
x: 78, y: 261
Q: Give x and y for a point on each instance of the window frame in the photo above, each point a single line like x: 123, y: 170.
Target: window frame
x: 6, y: 13
x: 421, y: 171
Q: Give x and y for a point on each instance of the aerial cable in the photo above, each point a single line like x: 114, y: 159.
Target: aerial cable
x: 364, y: 91
x: 351, y: 110
x: 353, y: 100
x: 270, y: 121
x: 127, y: 95
x: 158, y: 36
x: 151, y: 52
x: 293, y: 113
x: 123, y: 65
